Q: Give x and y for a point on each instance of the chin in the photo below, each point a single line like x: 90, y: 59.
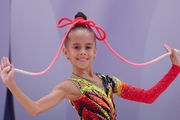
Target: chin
x: 83, y: 66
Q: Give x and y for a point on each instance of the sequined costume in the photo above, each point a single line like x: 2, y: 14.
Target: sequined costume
x: 97, y: 104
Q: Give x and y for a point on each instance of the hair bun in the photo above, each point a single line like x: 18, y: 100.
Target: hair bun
x: 82, y: 15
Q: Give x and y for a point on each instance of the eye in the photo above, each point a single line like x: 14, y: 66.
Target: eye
x: 88, y: 47
x: 76, y: 47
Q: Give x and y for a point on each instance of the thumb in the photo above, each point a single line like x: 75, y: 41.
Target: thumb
x: 174, y: 53
x: 8, y: 69
x: 4, y: 71
x: 11, y: 68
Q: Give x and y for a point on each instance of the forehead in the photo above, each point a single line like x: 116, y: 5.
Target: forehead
x: 81, y: 36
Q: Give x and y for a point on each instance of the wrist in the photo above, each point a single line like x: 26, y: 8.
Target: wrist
x: 176, y: 65
x: 9, y: 83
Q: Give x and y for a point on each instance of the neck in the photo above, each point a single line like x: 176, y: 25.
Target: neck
x: 88, y: 72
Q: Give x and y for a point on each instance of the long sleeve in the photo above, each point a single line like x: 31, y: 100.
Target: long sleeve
x: 147, y: 96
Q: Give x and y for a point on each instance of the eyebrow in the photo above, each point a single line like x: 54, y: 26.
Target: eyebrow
x: 79, y: 43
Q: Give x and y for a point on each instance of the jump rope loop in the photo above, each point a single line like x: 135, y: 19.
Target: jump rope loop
x: 100, y: 37
x: 82, y: 21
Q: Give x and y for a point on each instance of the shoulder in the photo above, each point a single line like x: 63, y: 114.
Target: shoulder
x: 106, y: 76
x: 66, y: 85
x: 112, y: 80
x: 69, y: 88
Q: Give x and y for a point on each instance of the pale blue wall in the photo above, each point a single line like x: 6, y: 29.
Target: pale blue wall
x: 137, y: 30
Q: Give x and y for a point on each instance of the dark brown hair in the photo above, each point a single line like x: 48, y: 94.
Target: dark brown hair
x: 78, y: 26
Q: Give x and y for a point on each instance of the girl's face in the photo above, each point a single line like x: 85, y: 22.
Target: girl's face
x: 81, y: 48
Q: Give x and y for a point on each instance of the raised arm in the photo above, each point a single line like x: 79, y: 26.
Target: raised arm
x: 149, y: 96
x: 66, y: 89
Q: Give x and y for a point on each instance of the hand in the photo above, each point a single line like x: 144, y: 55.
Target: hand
x: 174, y: 56
x: 6, y: 76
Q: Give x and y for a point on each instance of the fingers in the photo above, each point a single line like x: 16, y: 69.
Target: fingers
x: 168, y: 49
x: 174, y: 53
x: 2, y: 64
x: 8, y: 63
x: 6, y: 66
x: 5, y: 62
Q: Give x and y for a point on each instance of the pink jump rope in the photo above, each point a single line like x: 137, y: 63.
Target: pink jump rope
x: 102, y: 37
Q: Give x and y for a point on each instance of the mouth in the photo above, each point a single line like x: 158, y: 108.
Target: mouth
x: 82, y: 59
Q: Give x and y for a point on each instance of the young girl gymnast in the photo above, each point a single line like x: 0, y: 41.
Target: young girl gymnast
x: 90, y: 93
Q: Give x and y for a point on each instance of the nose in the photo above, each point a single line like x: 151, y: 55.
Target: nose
x: 82, y: 52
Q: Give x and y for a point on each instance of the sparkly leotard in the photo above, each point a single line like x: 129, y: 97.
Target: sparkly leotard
x: 97, y: 104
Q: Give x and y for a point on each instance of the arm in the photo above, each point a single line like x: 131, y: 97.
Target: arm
x: 60, y: 92
x: 147, y: 96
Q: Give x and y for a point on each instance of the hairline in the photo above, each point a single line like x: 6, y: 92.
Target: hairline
x: 77, y: 28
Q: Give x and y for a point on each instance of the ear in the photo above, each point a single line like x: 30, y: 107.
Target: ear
x: 95, y: 51
x: 65, y: 52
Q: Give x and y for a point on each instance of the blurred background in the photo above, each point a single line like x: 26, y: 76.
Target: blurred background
x: 136, y: 30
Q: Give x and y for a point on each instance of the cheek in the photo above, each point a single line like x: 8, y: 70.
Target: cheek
x: 72, y: 53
